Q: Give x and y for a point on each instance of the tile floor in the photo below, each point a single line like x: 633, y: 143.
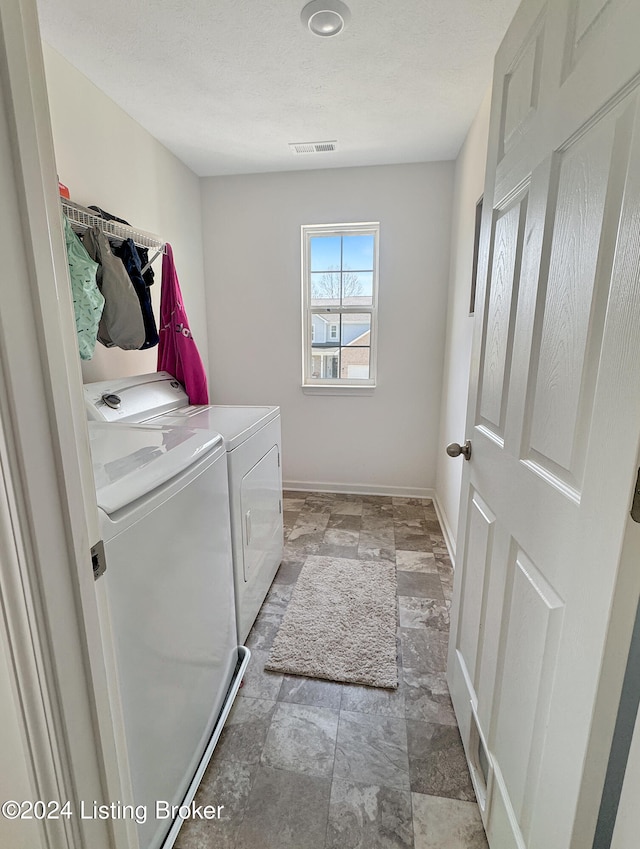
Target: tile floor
x: 309, y: 764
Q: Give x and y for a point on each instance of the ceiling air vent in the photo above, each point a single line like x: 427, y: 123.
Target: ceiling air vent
x: 313, y: 147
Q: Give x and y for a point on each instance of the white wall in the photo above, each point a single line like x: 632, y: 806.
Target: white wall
x: 251, y: 229
x: 106, y: 158
x: 469, y: 184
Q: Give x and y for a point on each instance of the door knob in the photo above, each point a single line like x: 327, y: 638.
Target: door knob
x: 455, y: 450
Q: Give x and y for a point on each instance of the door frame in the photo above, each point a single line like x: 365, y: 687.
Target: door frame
x: 49, y: 626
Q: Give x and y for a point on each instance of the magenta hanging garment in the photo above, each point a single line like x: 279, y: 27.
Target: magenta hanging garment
x: 177, y: 351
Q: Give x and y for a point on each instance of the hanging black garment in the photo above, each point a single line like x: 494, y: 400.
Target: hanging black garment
x: 129, y: 255
x: 108, y: 216
x: 143, y: 253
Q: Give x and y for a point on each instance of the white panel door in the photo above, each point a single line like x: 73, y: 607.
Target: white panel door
x: 554, y: 413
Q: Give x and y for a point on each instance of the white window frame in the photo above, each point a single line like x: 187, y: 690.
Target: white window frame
x: 339, y: 384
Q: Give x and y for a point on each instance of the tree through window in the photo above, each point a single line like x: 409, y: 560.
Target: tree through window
x: 340, y: 281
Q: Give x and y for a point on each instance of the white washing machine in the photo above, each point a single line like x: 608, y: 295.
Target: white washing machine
x: 166, y: 604
x: 252, y: 438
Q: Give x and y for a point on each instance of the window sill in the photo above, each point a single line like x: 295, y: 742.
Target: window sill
x: 338, y: 390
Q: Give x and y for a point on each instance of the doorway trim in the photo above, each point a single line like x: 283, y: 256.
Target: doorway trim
x: 49, y: 623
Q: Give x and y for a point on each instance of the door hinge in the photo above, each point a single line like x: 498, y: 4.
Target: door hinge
x: 635, y: 504
x: 280, y: 504
x: 98, y: 560
x: 278, y: 459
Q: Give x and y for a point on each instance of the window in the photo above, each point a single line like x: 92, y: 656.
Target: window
x: 340, y: 288
x: 476, y: 252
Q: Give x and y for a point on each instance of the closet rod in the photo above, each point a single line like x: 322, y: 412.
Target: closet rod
x: 81, y: 219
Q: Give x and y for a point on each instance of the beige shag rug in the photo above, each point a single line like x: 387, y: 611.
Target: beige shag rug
x: 340, y: 623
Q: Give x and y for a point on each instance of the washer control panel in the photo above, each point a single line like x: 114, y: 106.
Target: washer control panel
x: 134, y: 399
x: 111, y: 400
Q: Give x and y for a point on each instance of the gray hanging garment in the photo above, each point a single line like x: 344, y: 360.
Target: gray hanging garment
x: 121, y: 323
x: 128, y: 253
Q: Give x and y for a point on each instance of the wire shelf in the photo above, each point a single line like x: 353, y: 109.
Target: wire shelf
x: 82, y: 219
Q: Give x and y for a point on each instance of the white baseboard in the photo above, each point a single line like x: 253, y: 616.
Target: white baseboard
x: 359, y: 489
x: 449, y: 538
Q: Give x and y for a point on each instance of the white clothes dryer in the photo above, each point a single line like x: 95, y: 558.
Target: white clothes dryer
x: 252, y: 437
x: 166, y: 606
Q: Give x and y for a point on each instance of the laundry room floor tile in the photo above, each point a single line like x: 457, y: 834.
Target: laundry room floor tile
x: 373, y: 700
x: 293, y: 501
x: 310, y: 764
x: 446, y: 824
x: 364, y: 816
x: 420, y: 585
x: 400, y: 500
x: 302, y: 738
x: 411, y: 539
x: 258, y: 682
x: 264, y: 630
x: 426, y: 697
x: 350, y: 507
x: 408, y: 511
x: 226, y: 784
x: 380, y: 537
x: 367, y: 552
x: 340, y: 536
x: 286, y: 810
x: 344, y: 522
x: 424, y: 649
x: 381, y: 509
x: 288, y: 572
x: 437, y: 764
x: 372, y: 750
x: 423, y: 613
x: 416, y: 561
x: 245, y: 731
x: 310, y: 691
x: 342, y: 552
x: 278, y: 596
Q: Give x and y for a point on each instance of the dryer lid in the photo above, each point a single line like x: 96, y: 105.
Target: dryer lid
x: 236, y: 424
x: 131, y: 461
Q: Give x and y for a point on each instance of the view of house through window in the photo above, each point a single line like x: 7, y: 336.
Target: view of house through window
x: 340, y: 270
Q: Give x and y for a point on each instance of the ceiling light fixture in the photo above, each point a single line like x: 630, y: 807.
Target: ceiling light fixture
x: 325, y: 17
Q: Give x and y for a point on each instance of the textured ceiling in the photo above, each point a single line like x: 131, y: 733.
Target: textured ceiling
x: 226, y: 84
